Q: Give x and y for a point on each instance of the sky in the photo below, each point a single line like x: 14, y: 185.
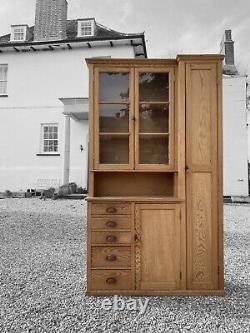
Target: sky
x: 171, y: 26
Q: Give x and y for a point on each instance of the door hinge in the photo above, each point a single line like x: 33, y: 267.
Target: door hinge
x: 180, y: 275
x: 180, y: 214
x: 218, y: 268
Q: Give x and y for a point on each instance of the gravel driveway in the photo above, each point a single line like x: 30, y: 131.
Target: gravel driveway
x: 43, y: 277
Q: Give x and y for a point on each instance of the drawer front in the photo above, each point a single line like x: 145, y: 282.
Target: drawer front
x: 111, y: 280
x: 111, y: 222
x: 111, y: 256
x: 115, y: 208
x: 111, y: 237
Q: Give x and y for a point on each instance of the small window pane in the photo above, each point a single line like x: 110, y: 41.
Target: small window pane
x: 114, y: 118
x: 154, y: 87
x: 114, y: 87
x: 114, y: 150
x: 3, y: 88
x: 154, y: 150
x: 3, y: 72
x: 154, y: 118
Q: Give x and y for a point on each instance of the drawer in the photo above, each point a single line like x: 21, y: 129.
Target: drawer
x: 115, y: 208
x: 111, y: 256
x: 111, y: 237
x: 111, y: 279
x: 111, y: 222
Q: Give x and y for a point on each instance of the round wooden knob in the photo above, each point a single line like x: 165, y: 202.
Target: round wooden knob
x: 111, y: 280
x: 111, y: 224
x: 111, y: 210
x: 111, y: 257
x: 111, y: 238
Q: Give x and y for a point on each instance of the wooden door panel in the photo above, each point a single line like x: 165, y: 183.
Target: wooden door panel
x: 158, y: 247
x: 201, y: 177
x: 201, y: 233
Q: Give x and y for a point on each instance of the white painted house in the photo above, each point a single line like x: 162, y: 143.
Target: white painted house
x: 44, y: 95
x: 235, y: 127
x: 44, y: 100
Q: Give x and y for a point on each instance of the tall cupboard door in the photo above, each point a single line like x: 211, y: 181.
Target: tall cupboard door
x: 201, y: 176
x: 157, y: 247
x: 154, y: 113
x: 114, y: 118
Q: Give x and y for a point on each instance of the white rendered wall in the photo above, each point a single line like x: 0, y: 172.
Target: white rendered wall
x: 235, y: 136
x: 35, y: 82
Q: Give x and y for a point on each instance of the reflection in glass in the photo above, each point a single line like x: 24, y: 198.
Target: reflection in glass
x: 114, y: 118
x: 154, y: 87
x: 113, y: 87
x: 114, y: 150
x: 154, y: 118
x: 153, y: 150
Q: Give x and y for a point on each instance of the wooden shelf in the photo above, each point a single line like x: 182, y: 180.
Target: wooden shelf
x: 137, y: 199
x: 115, y: 102
x: 154, y: 102
x: 154, y: 134
x: 113, y: 134
x: 136, y: 170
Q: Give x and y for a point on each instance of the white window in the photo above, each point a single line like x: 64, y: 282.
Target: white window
x: 86, y: 28
x: 3, y: 79
x: 49, y: 138
x: 18, y: 33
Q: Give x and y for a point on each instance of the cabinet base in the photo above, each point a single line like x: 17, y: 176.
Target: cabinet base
x: 219, y: 292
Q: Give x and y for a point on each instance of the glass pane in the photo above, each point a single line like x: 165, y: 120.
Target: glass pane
x: 114, y: 87
x: 114, y: 150
x: 153, y: 150
x: 154, y: 87
x: 3, y: 88
x: 154, y: 118
x: 114, y: 118
x: 3, y: 72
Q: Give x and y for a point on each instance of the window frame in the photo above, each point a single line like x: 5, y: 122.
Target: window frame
x: 23, y: 32
x: 4, y: 81
x: 42, y: 139
x: 80, y: 28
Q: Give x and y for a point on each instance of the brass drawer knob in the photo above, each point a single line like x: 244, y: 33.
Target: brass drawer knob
x: 111, y: 210
x: 111, y: 280
x: 111, y: 238
x: 111, y: 257
x: 111, y: 224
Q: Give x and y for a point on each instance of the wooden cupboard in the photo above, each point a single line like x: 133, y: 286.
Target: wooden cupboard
x: 155, y: 211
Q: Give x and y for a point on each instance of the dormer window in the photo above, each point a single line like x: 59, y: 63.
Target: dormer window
x: 18, y: 33
x: 86, y: 28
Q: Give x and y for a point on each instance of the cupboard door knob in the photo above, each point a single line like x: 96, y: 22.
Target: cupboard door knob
x: 111, y: 280
x: 111, y: 238
x: 111, y: 257
x: 111, y: 224
x: 111, y: 210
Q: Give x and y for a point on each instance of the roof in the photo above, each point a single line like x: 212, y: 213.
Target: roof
x: 102, y: 33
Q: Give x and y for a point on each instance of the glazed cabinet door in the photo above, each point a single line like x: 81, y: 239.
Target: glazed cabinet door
x: 157, y: 247
x: 114, y: 118
x: 154, y: 113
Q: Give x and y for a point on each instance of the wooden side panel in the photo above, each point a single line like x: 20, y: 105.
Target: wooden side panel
x: 201, y: 177
x: 158, y: 247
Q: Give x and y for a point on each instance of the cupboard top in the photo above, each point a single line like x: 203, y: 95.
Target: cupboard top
x: 146, y: 62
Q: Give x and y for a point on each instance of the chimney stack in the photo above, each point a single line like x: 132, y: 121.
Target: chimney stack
x: 227, y: 48
x: 51, y: 20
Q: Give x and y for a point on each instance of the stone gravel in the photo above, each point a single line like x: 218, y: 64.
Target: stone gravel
x: 43, y: 277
